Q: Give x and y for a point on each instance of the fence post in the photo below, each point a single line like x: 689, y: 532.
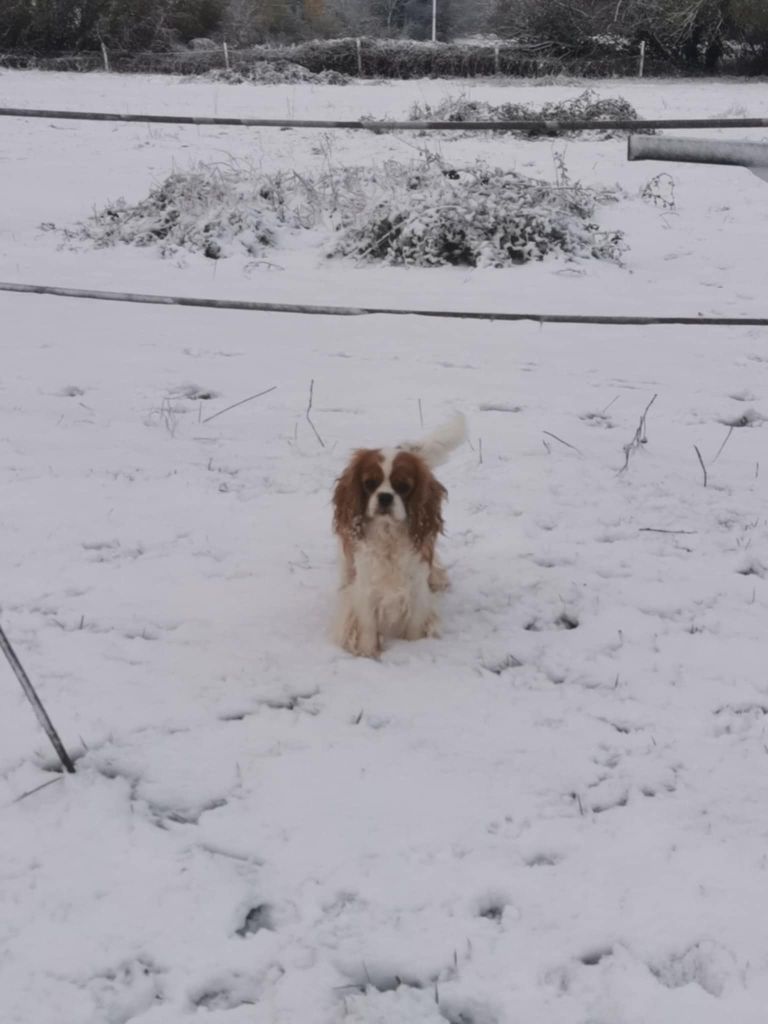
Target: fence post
x: 641, y: 65
x: 359, y: 48
x: 496, y: 58
x: 226, y: 56
x: 105, y: 56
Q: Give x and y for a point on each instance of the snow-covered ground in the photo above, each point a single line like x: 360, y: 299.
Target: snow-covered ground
x: 556, y: 811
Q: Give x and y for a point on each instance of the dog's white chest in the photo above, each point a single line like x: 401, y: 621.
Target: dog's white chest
x: 388, y: 561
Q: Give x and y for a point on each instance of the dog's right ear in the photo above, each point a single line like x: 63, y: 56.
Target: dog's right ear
x: 349, y: 498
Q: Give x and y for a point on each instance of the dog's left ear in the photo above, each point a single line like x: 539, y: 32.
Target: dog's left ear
x: 425, y: 517
x: 348, y: 499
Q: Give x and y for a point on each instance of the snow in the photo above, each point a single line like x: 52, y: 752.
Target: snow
x: 553, y: 812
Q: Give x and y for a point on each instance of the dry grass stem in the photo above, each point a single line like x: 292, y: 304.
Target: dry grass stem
x: 701, y: 463
x: 640, y: 437
x: 31, y: 792
x: 725, y: 442
x: 567, y: 445
x: 653, y: 529
x: 241, y: 402
x: 309, y: 409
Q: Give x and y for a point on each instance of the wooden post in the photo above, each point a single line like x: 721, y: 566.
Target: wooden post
x: 105, y: 56
x: 226, y: 56
x: 641, y: 65
x: 434, y: 21
x: 496, y: 58
x: 359, y: 48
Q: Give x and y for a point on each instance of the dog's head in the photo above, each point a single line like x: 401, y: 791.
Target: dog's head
x: 394, y: 485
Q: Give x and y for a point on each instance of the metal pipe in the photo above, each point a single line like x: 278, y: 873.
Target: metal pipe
x: 753, y: 155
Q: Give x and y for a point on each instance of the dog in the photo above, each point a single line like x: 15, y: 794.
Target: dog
x: 387, y: 517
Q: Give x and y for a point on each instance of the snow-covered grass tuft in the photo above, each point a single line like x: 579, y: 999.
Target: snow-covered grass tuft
x: 588, y: 105
x: 480, y: 216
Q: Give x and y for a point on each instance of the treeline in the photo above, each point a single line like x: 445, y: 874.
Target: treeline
x: 685, y: 34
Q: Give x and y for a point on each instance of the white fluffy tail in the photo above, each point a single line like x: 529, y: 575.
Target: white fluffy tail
x: 437, y: 446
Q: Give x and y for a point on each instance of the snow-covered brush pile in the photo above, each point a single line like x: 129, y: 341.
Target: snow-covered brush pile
x: 275, y: 72
x: 423, y: 213
x: 480, y: 217
x: 587, y: 106
x: 213, y: 211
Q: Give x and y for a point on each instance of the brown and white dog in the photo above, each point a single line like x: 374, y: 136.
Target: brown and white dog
x: 387, y: 516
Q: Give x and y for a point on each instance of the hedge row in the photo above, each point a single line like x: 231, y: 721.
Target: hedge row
x: 372, y: 58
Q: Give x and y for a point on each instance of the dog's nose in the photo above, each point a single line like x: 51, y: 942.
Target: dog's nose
x: 385, y: 499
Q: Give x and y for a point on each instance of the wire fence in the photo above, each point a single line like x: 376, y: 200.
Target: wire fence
x: 364, y: 57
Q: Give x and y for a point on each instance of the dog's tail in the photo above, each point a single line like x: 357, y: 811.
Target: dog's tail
x: 436, y: 447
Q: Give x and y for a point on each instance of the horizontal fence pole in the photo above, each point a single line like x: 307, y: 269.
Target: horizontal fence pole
x: 698, y: 151
x: 549, y: 127
x: 313, y: 310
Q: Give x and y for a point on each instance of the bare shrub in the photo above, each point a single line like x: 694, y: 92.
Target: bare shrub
x: 209, y: 210
x: 275, y: 72
x: 423, y: 213
x: 587, y: 106
x: 478, y: 216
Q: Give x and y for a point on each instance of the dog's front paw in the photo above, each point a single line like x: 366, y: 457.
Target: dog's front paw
x: 363, y: 643
x: 438, y: 578
x: 364, y: 650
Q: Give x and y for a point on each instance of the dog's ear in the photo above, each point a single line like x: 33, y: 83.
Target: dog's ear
x: 425, y: 516
x: 349, y: 498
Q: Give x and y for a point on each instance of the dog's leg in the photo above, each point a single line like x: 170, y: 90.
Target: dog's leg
x: 356, y: 629
x: 423, y: 619
x: 346, y: 564
x: 363, y: 637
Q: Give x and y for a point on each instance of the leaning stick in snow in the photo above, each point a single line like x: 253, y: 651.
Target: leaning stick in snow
x: 309, y: 409
x: 34, y: 700
x: 701, y: 463
x: 241, y: 402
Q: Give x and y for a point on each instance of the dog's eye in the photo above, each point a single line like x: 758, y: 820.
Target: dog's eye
x: 402, y: 487
x: 369, y: 486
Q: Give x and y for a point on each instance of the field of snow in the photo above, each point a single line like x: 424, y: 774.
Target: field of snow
x: 553, y: 813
